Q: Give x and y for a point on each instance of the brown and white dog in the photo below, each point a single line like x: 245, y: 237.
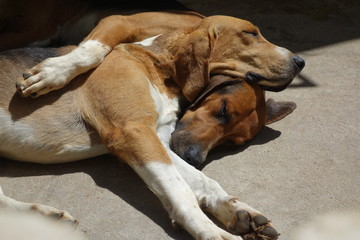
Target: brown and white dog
x: 128, y: 106
x: 229, y: 111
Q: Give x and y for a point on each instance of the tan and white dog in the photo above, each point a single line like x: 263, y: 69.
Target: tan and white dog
x: 129, y: 106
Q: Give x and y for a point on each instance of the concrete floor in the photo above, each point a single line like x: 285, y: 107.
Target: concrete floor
x: 305, y: 165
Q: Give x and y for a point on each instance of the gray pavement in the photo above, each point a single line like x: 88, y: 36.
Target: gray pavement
x: 305, y: 165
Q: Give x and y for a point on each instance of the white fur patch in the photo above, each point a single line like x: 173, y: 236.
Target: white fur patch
x: 168, y: 110
x: 169, y: 185
x: 179, y: 200
x: 89, y: 53
x: 209, y: 192
x: 148, y: 41
x: 83, y: 58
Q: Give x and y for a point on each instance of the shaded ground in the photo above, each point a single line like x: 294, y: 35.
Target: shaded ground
x: 304, y: 165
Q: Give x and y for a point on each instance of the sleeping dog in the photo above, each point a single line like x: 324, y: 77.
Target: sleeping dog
x: 129, y: 104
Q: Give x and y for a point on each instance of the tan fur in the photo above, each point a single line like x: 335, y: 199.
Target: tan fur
x: 196, y: 47
x: 177, y: 61
x: 246, y: 112
x: 116, y: 101
x: 125, y: 116
x: 61, y: 108
x: 191, y: 53
x: 117, y: 29
x: 203, y: 128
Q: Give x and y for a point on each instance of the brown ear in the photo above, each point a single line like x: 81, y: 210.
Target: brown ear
x: 276, y: 111
x: 216, y: 82
x: 191, y: 63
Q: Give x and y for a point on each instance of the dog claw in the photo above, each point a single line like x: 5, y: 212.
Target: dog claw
x: 26, y: 75
x: 262, y: 227
x: 269, y: 233
x: 175, y: 225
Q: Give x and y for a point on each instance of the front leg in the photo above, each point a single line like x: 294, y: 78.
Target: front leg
x: 139, y: 146
x: 55, y: 73
x: 237, y: 216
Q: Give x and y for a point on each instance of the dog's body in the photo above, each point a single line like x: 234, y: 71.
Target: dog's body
x: 130, y: 104
x: 25, y: 126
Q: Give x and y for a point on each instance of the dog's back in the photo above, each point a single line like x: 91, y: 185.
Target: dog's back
x: 27, y: 129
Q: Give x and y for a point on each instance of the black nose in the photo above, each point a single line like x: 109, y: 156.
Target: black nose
x: 299, y: 62
x: 193, y: 156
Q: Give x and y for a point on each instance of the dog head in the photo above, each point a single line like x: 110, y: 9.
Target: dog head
x: 234, y: 47
x: 228, y: 110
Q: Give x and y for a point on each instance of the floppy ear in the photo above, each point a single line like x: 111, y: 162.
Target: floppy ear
x: 191, y: 63
x: 276, y: 111
x: 216, y: 82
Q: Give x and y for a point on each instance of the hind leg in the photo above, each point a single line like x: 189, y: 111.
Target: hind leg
x: 9, y: 204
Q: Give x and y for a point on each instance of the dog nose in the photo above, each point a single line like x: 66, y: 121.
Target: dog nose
x: 193, y: 156
x: 299, y: 62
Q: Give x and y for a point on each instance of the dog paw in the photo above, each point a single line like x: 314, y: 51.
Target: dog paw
x: 54, y: 213
x: 49, y: 75
x: 243, y: 220
x: 253, y: 227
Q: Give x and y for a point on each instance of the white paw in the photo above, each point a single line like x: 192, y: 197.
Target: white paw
x: 55, y: 73
x: 49, y: 75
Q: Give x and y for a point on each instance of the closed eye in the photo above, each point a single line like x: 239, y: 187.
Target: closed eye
x: 222, y: 113
x: 253, y: 34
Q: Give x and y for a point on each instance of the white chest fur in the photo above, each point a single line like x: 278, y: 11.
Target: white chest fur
x: 147, y: 42
x: 168, y: 109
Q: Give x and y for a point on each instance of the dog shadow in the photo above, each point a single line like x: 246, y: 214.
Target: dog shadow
x: 266, y: 135
x: 114, y: 175
x: 108, y: 173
